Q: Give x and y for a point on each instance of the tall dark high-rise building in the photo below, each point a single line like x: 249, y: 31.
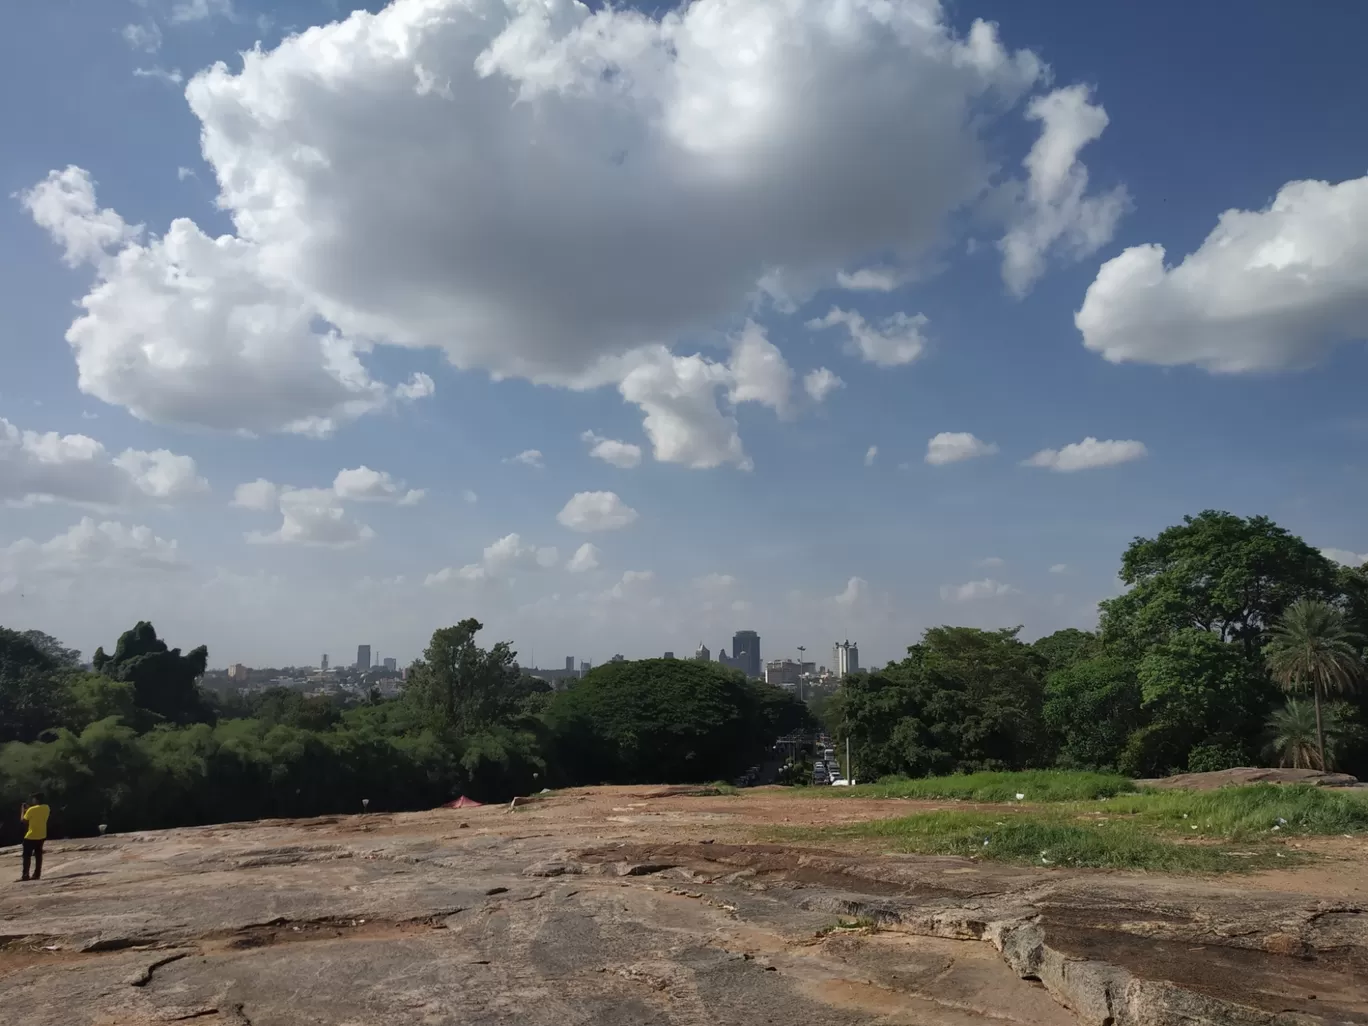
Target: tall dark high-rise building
x: 569, y: 664
x: 746, y: 654
x: 363, y: 662
x: 324, y: 665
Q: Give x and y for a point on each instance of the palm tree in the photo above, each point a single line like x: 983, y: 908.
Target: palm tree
x: 1292, y: 734
x: 1312, y: 647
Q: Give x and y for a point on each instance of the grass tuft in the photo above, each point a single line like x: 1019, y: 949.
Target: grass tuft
x: 1237, y: 813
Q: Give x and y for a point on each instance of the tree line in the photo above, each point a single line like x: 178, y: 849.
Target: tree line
x: 1234, y: 644
x: 136, y: 743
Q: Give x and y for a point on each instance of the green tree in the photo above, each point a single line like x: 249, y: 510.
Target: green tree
x: 1195, y: 689
x: 32, y: 689
x: 1092, y: 707
x: 165, y: 683
x: 70, y: 658
x: 1063, y: 649
x: 461, y: 687
x: 1312, y: 647
x: 1216, y: 572
x: 962, y: 699
x: 666, y: 720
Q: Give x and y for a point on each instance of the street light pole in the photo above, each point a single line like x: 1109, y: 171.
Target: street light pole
x: 801, y: 650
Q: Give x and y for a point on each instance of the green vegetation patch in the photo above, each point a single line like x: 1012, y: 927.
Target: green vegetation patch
x: 1237, y: 813
x: 1036, y: 785
x: 1048, y: 839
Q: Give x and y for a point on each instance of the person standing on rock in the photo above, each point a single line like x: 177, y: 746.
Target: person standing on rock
x: 35, y: 816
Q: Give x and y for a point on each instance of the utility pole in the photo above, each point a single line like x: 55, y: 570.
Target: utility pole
x: 801, y: 650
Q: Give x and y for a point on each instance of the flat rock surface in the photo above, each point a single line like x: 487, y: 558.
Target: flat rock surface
x: 608, y: 906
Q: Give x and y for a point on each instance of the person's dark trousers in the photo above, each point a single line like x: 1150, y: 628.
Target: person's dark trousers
x: 33, y: 850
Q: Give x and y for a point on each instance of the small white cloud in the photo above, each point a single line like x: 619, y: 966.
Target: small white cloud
x: 954, y: 446
x: 596, y: 511
x: 361, y: 484
x: 147, y: 37
x: 1087, y: 455
x: 529, y: 458
x: 715, y: 583
x: 973, y: 591
x: 871, y: 279
x: 992, y: 561
x: 172, y: 77
x: 586, y: 558
x: 420, y: 386
x: 161, y: 474
x: 820, y: 383
x: 260, y: 495
x: 897, y: 340
x: 1344, y: 557
x: 623, y: 455
x: 634, y: 584
x: 470, y: 497
x: 871, y: 454
x: 313, y: 517
x: 1060, y: 568
x: 182, y: 173
x: 759, y: 372
x: 200, y: 10
x: 856, y: 589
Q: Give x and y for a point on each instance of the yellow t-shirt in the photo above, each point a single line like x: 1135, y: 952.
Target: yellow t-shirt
x: 36, y: 816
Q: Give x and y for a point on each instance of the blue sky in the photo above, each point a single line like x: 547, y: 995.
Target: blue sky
x: 448, y: 234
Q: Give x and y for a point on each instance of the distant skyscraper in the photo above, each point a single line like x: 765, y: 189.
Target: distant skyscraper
x: 391, y: 664
x: 746, y: 654
x: 702, y: 654
x: 618, y: 657
x: 585, y: 666
x: 669, y: 655
x: 363, y: 662
x: 845, y: 658
x: 569, y: 664
x: 324, y: 664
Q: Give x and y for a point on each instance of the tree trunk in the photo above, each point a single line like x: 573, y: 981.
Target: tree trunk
x: 1320, y: 733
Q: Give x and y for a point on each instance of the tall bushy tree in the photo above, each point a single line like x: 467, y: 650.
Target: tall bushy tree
x: 165, y: 683
x: 1312, y: 648
x: 32, y: 692
x: 461, y: 687
x: 1092, y: 707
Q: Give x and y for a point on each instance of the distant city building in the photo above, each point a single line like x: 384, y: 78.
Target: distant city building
x: 746, y: 654
x: 845, y: 658
x: 363, y: 661
x: 237, y: 672
x: 585, y: 666
x: 323, y: 664
x: 391, y: 664
x: 570, y: 663
x: 618, y: 657
x: 782, y: 673
x: 669, y: 655
x: 702, y: 654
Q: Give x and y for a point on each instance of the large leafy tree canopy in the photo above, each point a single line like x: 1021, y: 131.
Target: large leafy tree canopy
x: 1215, y: 572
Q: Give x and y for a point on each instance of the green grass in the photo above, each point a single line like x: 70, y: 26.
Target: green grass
x: 1036, y: 785
x: 1221, y: 831
x: 1237, y: 813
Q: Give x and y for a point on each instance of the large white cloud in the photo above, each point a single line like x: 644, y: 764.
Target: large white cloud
x: 1267, y: 290
x: 48, y: 467
x: 596, y: 511
x: 317, y: 516
x: 412, y: 176
x: 1056, y: 213
x: 502, y: 557
x: 1088, y: 455
x: 188, y: 329
x: 87, y: 546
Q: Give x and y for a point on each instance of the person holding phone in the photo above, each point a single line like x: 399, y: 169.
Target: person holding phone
x: 35, y: 814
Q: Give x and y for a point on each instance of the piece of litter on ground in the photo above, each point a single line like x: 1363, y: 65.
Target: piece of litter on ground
x: 1020, y: 797
x: 52, y: 947
x: 1277, y: 827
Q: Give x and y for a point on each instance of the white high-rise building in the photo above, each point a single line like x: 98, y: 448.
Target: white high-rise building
x: 845, y: 658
